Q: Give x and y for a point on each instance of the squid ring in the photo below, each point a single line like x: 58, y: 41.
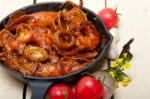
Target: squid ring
x: 64, y: 39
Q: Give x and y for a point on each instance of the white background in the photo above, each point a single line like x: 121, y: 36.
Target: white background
x: 134, y: 22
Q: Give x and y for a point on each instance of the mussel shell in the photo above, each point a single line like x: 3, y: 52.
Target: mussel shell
x: 34, y: 53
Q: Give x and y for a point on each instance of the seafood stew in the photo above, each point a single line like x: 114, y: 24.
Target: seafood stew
x: 49, y: 43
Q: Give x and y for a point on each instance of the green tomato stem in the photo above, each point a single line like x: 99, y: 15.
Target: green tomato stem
x: 105, y: 3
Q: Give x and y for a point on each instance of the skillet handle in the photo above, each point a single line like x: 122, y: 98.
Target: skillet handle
x: 39, y: 89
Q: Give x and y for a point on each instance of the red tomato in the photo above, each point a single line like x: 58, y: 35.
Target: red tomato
x: 109, y: 16
x: 89, y: 88
x: 60, y: 91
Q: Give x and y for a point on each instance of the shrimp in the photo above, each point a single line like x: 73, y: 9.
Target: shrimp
x: 41, y: 36
x: 87, y: 38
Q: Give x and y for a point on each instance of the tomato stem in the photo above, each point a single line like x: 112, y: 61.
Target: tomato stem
x: 105, y: 3
x: 116, y: 11
x: 66, y: 95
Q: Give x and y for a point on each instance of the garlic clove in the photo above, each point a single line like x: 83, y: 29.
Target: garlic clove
x: 113, y: 52
x: 115, y: 33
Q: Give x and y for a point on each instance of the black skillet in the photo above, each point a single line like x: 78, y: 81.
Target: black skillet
x: 40, y: 85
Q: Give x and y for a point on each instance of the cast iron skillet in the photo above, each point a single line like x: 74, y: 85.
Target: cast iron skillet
x: 40, y: 85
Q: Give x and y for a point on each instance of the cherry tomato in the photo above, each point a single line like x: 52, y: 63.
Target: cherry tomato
x: 60, y: 91
x: 109, y: 16
x: 89, y: 88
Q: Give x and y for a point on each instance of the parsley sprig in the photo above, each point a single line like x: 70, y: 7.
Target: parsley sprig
x: 122, y: 63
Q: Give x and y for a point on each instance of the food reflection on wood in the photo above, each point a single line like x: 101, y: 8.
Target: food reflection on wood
x: 49, y: 43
